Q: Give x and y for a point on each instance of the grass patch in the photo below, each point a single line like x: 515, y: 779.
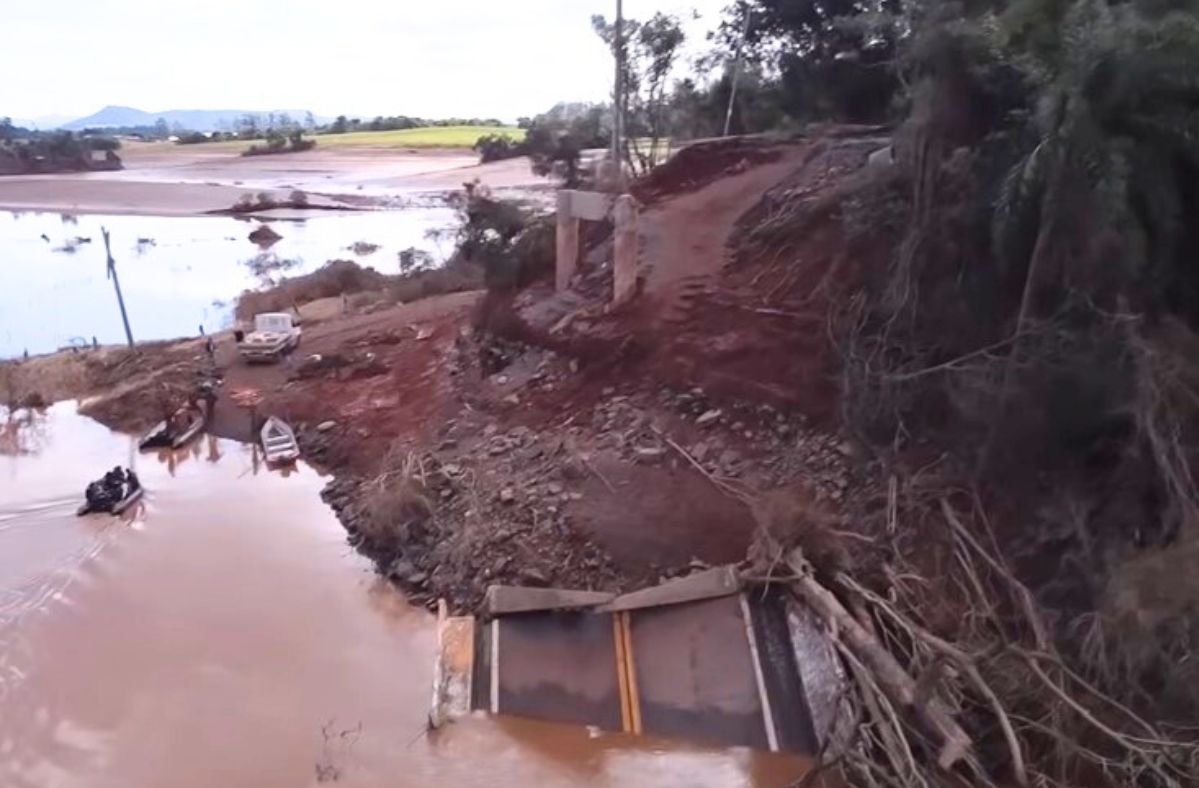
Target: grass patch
x: 429, y: 137
x: 399, y: 139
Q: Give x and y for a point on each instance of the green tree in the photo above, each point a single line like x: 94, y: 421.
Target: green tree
x: 647, y: 54
x: 555, y: 140
x: 833, y: 58
x: 247, y: 126
x: 1117, y: 147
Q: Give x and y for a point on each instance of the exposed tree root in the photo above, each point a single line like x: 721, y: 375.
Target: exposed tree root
x: 980, y: 698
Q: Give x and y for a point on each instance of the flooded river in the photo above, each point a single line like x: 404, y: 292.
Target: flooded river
x: 225, y: 635
x: 177, y: 273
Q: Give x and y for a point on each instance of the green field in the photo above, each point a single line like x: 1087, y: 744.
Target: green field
x: 429, y: 137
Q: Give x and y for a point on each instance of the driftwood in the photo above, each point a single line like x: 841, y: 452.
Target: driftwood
x: 892, y: 679
x: 985, y: 701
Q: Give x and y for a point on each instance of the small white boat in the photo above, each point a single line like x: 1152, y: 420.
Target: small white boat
x: 279, y: 442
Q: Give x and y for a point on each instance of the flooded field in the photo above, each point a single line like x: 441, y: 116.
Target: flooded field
x: 224, y: 634
x: 177, y: 273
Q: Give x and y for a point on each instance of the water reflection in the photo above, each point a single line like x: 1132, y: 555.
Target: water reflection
x: 176, y: 272
x: 22, y: 431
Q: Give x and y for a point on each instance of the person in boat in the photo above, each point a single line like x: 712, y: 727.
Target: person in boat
x: 206, y: 394
x: 97, y: 495
x: 115, y: 479
x: 181, y: 419
x: 109, y: 489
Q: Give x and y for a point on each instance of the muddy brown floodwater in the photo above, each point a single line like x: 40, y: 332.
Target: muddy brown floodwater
x: 225, y: 635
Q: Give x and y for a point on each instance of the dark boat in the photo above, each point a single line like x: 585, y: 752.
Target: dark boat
x: 180, y: 429
x: 104, y: 497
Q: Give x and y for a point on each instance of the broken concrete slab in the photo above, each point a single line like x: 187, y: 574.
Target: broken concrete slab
x: 695, y: 658
x: 695, y: 674
x: 558, y: 666
x: 454, y: 667
x: 590, y: 206
x: 717, y: 582
x: 502, y: 600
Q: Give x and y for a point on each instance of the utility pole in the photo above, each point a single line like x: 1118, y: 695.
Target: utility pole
x: 728, y: 116
x: 116, y: 285
x: 618, y: 91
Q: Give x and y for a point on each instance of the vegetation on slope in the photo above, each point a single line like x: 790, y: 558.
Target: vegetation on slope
x: 1018, y: 341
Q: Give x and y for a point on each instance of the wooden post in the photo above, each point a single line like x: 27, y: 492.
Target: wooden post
x: 116, y: 284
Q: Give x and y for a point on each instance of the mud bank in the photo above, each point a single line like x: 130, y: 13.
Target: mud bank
x: 163, y: 179
x: 461, y: 460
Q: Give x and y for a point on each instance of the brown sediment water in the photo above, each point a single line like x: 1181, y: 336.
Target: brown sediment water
x: 224, y: 634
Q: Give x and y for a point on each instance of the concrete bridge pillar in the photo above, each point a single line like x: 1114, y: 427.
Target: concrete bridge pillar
x: 625, y: 252
x: 577, y: 206
x: 567, y: 241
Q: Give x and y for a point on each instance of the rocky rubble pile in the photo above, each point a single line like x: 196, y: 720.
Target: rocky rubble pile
x: 757, y: 445
x: 508, y: 502
x: 499, y: 516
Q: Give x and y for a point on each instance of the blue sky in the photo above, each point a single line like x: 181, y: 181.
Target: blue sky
x: 433, y: 58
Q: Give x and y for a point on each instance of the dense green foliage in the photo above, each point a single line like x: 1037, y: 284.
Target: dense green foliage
x: 278, y: 142
x: 22, y: 150
x: 554, y: 140
x: 1016, y: 321
x: 829, y: 58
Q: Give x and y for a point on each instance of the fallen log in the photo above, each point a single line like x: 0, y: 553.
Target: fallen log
x: 894, y: 681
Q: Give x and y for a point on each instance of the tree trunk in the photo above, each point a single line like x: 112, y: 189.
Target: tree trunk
x: 1042, y: 252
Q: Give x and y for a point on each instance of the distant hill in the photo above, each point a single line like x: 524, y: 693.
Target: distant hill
x: 187, y: 119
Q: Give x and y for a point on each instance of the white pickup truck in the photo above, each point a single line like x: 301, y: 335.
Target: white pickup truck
x: 274, y: 335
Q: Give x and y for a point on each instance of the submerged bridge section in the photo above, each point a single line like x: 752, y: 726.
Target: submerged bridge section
x: 703, y: 658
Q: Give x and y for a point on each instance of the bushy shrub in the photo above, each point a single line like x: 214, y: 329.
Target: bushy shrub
x: 496, y: 147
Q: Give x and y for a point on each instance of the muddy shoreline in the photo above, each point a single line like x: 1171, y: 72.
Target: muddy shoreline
x: 531, y: 438
x: 169, y: 180
x: 525, y: 463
